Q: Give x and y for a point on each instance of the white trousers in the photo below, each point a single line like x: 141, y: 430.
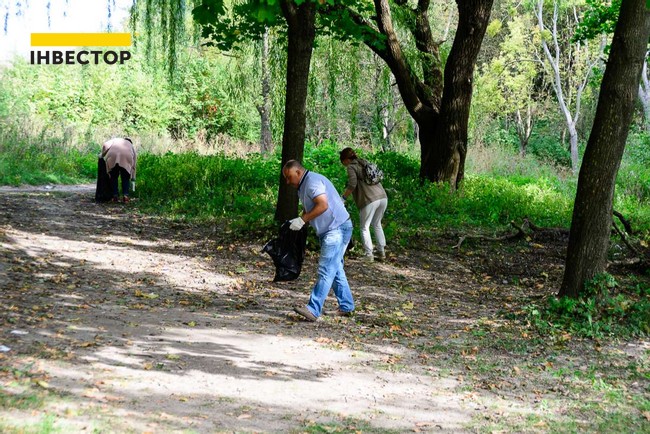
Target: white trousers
x: 371, y: 215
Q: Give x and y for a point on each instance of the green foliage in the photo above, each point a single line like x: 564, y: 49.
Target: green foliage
x: 600, y: 18
x: 215, y: 98
x: 604, y: 309
x: 634, y: 174
x: 547, y: 148
x: 210, y: 187
x: 43, y: 161
x: 227, y: 28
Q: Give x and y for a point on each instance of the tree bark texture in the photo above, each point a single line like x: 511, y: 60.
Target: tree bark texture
x: 592, y: 211
x: 443, y: 155
x: 301, y: 22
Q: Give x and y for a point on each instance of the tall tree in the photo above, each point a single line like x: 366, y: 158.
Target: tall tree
x: 567, y: 85
x: 301, y: 32
x: 249, y: 20
x: 592, y: 212
x: 264, y: 108
x: 644, y: 94
x: 438, y: 101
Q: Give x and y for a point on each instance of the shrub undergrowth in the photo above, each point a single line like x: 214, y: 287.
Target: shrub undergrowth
x: 605, y: 309
x: 242, y: 192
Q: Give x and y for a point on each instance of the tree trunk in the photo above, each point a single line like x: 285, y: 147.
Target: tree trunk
x: 266, y: 141
x: 592, y: 211
x: 644, y: 94
x: 443, y: 151
x: 438, y: 103
x: 573, y: 147
x: 524, y: 129
x: 300, y: 40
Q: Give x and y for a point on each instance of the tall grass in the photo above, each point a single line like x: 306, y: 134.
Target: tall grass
x: 26, y: 158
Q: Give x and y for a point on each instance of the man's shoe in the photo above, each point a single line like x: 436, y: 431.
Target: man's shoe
x: 306, y: 313
x: 115, y: 199
x: 125, y: 199
x: 340, y: 312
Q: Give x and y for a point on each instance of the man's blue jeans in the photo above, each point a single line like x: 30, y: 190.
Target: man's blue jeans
x: 330, y: 271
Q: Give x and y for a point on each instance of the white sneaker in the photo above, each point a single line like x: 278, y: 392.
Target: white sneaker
x: 368, y: 258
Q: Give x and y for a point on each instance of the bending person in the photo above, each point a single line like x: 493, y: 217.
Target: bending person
x: 325, y: 212
x: 120, y: 159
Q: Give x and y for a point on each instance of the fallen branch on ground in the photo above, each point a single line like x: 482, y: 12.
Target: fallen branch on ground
x: 519, y: 234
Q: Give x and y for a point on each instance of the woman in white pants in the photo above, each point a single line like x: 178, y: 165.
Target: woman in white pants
x: 371, y: 201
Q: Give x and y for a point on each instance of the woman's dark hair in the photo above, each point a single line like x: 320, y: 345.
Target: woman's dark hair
x: 347, y: 154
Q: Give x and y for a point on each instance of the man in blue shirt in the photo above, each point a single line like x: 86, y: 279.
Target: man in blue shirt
x: 325, y: 212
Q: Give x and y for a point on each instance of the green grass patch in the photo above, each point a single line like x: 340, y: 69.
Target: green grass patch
x: 244, y: 192
x: 37, y: 161
x: 24, y: 400
x: 45, y: 425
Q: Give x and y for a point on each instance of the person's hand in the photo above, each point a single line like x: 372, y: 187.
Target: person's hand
x: 296, y: 224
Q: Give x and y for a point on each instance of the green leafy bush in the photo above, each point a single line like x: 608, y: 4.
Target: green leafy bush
x: 604, y: 309
x: 548, y: 148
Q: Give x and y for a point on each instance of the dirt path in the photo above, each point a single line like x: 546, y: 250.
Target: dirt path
x: 129, y: 323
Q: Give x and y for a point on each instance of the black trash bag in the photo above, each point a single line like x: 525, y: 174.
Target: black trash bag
x: 104, y: 191
x: 287, y: 252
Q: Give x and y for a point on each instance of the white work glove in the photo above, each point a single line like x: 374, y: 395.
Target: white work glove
x: 296, y: 224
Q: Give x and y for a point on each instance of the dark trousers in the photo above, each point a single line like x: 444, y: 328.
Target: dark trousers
x: 126, y: 179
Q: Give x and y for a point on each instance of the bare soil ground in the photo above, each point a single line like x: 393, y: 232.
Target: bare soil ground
x: 117, y: 321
